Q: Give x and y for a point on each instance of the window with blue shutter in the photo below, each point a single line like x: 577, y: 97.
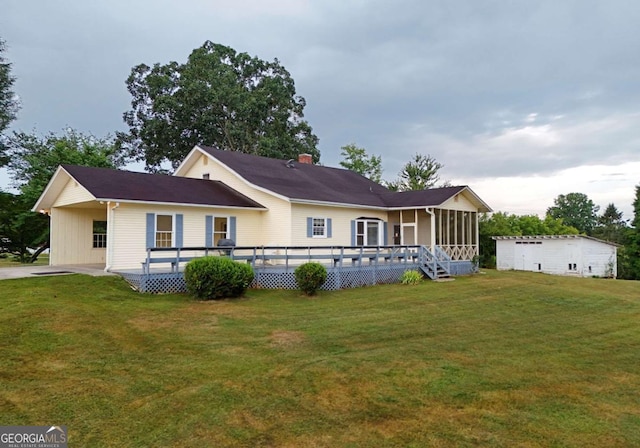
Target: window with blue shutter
x: 368, y: 232
x: 219, y: 227
x: 318, y: 227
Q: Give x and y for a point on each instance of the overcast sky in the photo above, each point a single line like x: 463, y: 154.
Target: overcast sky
x: 521, y: 100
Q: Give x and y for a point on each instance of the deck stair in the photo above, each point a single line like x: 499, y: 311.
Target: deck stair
x: 436, y: 264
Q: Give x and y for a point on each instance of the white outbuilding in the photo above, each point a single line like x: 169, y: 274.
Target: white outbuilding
x: 576, y: 255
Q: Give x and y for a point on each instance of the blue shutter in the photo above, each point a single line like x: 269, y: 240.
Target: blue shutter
x: 309, y: 227
x: 385, y: 233
x: 232, y: 229
x: 328, y: 227
x: 353, y: 233
x: 179, y: 229
x: 208, y: 231
x: 151, y: 230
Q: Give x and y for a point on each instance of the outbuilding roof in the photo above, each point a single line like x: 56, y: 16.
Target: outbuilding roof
x: 551, y: 237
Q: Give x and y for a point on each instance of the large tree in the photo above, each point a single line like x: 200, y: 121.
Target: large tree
x: 218, y: 98
x: 19, y: 228
x: 575, y: 210
x: 8, y: 102
x: 420, y: 173
x: 34, y: 159
x: 611, y: 226
x: 356, y: 159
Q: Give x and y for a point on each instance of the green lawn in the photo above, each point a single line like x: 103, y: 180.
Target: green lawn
x: 7, y: 261
x: 502, y: 359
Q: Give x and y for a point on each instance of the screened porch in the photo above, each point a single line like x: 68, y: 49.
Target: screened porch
x: 454, y: 231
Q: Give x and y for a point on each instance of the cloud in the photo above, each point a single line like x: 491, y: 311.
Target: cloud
x: 493, y: 90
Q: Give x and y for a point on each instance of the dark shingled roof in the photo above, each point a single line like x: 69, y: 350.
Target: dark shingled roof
x: 105, y: 183
x: 303, y: 181
x: 423, y: 198
x: 320, y: 183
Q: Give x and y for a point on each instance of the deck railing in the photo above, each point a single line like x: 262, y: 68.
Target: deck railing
x: 286, y: 256
x: 347, y: 266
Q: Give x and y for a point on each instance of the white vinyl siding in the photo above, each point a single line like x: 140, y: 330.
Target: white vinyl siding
x: 71, y: 238
x: 130, y: 228
x: 73, y: 193
x: 274, y: 226
x: 341, y: 218
x: 459, y: 202
x: 561, y: 256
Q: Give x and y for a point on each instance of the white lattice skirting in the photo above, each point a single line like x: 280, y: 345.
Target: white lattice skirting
x: 274, y: 278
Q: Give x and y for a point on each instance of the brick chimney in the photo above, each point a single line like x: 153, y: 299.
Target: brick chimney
x: 305, y: 158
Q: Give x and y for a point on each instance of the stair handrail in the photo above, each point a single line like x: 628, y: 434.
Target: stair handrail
x: 443, y: 258
x: 428, y: 260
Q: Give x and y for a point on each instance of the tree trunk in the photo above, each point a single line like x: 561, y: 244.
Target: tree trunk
x: 37, y: 253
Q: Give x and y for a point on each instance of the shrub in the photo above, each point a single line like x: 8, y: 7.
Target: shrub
x: 310, y: 277
x: 411, y: 277
x: 211, y: 278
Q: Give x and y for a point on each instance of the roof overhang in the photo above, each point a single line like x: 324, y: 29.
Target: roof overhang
x: 53, y: 189
x: 482, y: 206
x: 337, y: 204
x: 179, y: 204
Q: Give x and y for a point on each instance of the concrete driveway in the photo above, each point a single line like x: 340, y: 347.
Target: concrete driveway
x: 23, y: 271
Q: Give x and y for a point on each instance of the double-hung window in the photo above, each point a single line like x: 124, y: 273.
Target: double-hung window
x: 99, y: 234
x: 319, y: 228
x: 220, y: 229
x: 164, y: 230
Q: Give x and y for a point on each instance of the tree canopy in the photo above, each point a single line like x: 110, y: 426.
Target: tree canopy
x: 610, y: 225
x: 505, y: 224
x: 218, y: 98
x: 576, y: 210
x: 420, y: 173
x: 631, y: 252
x: 33, y: 161
x: 356, y: 159
x: 8, y: 102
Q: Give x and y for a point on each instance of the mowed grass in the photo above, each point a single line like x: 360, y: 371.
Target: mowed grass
x: 502, y: 359
x: 9, y: 261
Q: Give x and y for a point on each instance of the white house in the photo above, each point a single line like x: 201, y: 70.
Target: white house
x: 111, y: 217
x: 577, y: 255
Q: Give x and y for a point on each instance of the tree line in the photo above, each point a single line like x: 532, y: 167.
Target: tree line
x: 570, y: 214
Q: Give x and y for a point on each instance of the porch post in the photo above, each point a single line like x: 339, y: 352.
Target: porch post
x: 477, y: 236
x: 401, y: 228
x: 107, y: 255
x: 432, y: 228
x: 415, y: 227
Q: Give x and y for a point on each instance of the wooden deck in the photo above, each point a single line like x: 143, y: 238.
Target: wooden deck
x: 274, y: 266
